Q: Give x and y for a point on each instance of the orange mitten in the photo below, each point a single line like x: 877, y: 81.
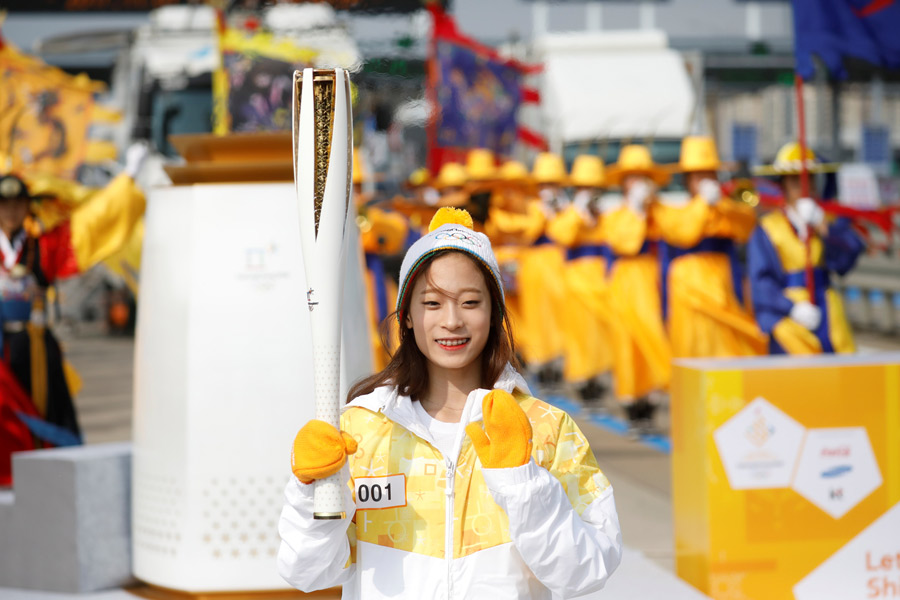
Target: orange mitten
x: 508, y: 440
x: 320, y: 451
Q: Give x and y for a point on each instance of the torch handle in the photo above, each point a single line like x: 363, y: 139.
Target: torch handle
x: 328, y: 502
x: 324, y: 298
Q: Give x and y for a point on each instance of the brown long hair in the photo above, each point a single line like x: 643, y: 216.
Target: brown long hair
x: 408, y: 368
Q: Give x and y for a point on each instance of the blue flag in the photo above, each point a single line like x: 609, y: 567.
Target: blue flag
x: 832, y: 29
x: 478, y: 99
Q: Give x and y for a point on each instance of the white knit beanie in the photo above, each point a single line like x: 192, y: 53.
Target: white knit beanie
x: 450, y: 229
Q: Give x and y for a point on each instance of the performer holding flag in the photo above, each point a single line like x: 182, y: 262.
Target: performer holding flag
x: 38, y: 246
x: 458, y: 476
x: 784, y: 247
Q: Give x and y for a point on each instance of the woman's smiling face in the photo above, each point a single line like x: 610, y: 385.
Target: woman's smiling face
x: 450, y: 312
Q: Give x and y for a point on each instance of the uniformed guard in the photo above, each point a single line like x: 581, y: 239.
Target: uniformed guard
x: 39, y: 246
x: 585, y: 318
x: 701, y: 275
x: 642, y: 356
x: 540, y: 277
x: 790, y: 258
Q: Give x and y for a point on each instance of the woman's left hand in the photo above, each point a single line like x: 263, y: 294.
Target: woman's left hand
x: 505, y: 440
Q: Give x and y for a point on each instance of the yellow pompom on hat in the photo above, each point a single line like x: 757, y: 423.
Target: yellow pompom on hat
x: 787, y: 162
x: 451, y: 175
x: 481, y: 165
x: 698, y: 153
x: 635, y: 159
x: 450, y: 229
x: 588, y: 171
x: 549, y: 168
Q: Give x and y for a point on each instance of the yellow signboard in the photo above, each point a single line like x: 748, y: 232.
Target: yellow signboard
x: 780, y: 467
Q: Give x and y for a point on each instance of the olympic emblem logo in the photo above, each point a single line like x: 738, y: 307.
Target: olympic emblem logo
x: 459, y: 235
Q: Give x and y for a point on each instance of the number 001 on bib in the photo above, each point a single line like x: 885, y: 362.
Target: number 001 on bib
x: 380, y: 492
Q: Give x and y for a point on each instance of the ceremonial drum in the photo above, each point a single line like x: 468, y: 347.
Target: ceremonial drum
x: 223, y: 381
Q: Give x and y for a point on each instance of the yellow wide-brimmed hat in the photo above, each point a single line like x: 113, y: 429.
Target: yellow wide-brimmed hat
x: 635, y: 159
x: 698, y: 153
x: 549, y: 168
x: 419, y: 177
x: 787, y: 162
x: 480, y: 164
x: 514, y: 171
x: 451, y: 175
x: 588, y: 171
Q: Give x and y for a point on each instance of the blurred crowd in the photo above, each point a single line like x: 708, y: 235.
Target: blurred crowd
x: 608, y: 279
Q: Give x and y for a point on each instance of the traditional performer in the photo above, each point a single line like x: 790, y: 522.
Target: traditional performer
x: 540, y: 277
x: 35, y: 252
x: 445, y: 453
x: 586, y: 313
x: 790, y: 258
x: 482, y: 172
x: 702, y: 282
x: 515, y: 221
x: 641, y: 353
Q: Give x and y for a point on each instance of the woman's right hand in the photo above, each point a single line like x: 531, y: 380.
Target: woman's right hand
x: 320, y: 451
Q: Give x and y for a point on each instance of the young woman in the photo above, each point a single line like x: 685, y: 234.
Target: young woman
x: 461, y: 485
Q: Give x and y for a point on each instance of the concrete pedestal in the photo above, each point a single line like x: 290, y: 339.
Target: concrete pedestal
x: 66, y: 526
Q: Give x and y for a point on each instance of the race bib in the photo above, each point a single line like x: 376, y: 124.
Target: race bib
x: 380, y: 492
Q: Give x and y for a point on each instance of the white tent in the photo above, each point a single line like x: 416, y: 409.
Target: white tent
x: 617, y: 85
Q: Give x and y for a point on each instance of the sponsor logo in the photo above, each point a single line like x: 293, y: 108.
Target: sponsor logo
x: 836, y: 471
x: 760, y: 431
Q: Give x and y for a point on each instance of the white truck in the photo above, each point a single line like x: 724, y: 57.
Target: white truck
x: 601, y: 90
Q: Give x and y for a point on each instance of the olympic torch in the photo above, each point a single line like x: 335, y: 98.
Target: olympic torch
x: 323, y: 146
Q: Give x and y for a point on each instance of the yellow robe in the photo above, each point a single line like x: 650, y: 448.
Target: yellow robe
x: 585, y: 317
x: 705, y: 317
x: 642, y: 358
x: 537, y: 282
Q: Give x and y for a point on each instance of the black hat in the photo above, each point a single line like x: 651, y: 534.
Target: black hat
x: 11, y: 187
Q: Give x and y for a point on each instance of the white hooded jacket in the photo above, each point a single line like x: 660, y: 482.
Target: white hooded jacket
x: 446, y: 528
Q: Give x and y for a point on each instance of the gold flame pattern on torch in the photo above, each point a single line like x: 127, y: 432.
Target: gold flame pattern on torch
x: 323, y: 113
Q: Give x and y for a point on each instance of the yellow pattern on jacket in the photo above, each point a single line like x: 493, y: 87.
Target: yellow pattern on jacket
x: 386, y: 447
x: 585, y: 316
x: 641, y: 354
x: 705, y: 318
x: 792, y: 336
